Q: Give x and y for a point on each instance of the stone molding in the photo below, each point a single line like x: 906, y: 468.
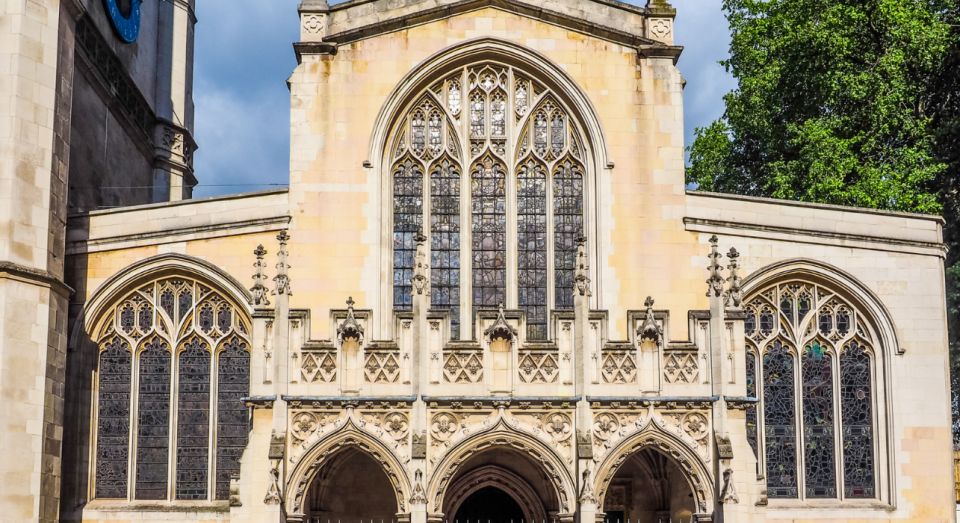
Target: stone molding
x: 15, y: 271
x: 617, y: 22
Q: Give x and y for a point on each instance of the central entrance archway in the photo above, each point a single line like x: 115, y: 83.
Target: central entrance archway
x: 489, y: 505
x: 499, y: 485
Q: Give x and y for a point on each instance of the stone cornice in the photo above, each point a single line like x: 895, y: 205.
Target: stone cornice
x: 10, y: 270
x: 414, y: 16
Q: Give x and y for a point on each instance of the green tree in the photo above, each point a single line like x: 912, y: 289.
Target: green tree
x: 851, y: 102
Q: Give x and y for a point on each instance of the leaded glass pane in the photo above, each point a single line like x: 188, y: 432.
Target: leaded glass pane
x: 819, y: 454
x: 407, y: 222
x: 752, y: 393
x: 856, y: 406
x: 435, y: 133
x: 532, y: 247
x: 477, y: 116
x: 558, y: 132
x: 185, y: 302
x: 193, y: 420
x: 498, y: 115
x: 233, y: 384
x: 418, y: 134
x: 113, y: 420
x: 540, y: 133
x: 567, y: 229
x: 445, y: 241
x: 489, y: 198
x: 153, y: 420
x: 454, y: 97
x: 779, y: 416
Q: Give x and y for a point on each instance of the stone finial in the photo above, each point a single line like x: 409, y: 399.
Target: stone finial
x: 581, y: 279
x: 715, y: 281
x: 282, y: 279
x: 419, y: 495
x: 650, y: 330
x: 734, y: 292
x: 350, y: 328
x: 259, y: 289
x: 729, y: 495
x: 500, y: 328
x: 420, y: 281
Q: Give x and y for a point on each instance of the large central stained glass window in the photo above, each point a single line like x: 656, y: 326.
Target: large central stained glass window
x: 490, y: 166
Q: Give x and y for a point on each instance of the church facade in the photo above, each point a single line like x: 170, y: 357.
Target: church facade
x: 486, y: 295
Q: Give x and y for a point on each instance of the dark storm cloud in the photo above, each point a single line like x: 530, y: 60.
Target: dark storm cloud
x: 244, y: 57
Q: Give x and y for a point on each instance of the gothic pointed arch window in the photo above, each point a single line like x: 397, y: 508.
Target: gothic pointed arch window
x: 165, y: 347
x: 503, y: 202
x: 815, y: 426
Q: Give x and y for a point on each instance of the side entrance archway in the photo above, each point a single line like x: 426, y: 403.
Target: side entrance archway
x: 498, y: 487
x: 649, y: 487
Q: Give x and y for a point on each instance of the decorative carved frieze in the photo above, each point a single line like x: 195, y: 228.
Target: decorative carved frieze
x: 619, y: 366
x: 681, y: 367
x: 538, y: 366
x: 382, y: 366
x: 463, y: 366
x: 319, y: 366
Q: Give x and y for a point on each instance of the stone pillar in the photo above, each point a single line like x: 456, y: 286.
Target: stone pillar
x: 173, y: 135
x: 35, y: 108
x: 420, y: 284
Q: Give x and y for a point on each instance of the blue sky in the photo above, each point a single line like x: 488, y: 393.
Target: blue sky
x: 244, y: 56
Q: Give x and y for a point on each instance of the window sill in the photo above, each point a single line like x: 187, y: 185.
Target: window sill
x: 122, y: 505
x: 826, y: 506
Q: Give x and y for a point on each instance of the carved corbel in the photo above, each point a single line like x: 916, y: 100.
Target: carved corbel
x: 500, y: 330
x: 350, y: 328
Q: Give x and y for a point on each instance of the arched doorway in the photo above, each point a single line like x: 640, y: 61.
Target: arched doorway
x: 500, y: 485
x: 351, y: 487
x: 649, y: 487
x: 489, y: 505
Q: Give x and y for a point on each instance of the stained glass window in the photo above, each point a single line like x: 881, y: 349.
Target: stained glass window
x: 819, y: 453
x: 489, y: 199
x: 532, y: 247
x: 799, y: 319
x: 233, y: 384
x: 752, y: 393
x: 113, y: 420
x: 780, y: 420
x: 856, y: 397
x: 407, y: 222
x: 189, y: 311
x: 445, y: 241
x: 567, y: 229
x: 153, y: 421
x: 484, y: 121
x: 193, y: 420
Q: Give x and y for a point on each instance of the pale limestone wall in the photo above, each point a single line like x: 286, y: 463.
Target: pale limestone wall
x: 336, y: 100
x: 899, y: 258
x: 223, y: 231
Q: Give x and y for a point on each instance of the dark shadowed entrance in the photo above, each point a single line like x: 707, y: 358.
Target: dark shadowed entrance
x: 489, y: 505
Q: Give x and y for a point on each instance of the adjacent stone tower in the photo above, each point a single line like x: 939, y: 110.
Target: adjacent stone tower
x: 95, y: 110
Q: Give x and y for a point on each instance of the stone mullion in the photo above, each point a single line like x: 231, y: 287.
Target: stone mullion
x: 837, y: 420
x: 212, y: 420
x: 512, y: 272
x: 551, y: 251
x: 466, y: 223
x: 174, y: 401
x: 134, y: 424
x: 799, y: 439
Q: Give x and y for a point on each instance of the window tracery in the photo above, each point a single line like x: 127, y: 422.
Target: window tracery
x: 813, y: 340
x: 491, y: 122
x: 154, y: 382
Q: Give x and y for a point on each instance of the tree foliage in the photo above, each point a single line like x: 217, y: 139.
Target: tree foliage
x: 852, y: 102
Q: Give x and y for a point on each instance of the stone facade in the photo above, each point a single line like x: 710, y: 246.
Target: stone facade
x: 715, y: 349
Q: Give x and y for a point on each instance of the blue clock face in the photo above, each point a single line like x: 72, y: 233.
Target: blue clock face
x: 125, y: 17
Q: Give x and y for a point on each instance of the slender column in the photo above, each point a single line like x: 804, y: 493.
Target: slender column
x: 421, y: 346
